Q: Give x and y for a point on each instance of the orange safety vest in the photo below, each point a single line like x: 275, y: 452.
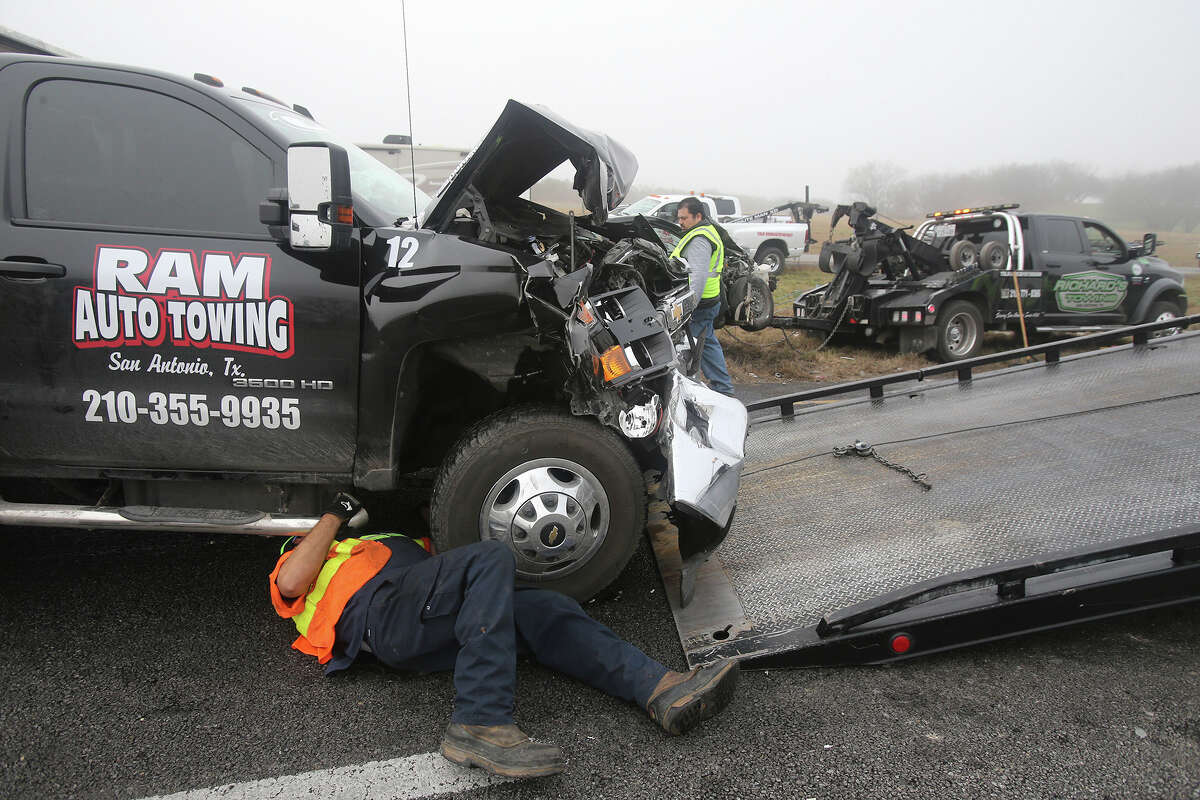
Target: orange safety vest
x: 349, y: 564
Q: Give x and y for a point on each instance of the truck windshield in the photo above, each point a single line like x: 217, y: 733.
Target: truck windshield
x: 381, y: 195
x: 643, y: 206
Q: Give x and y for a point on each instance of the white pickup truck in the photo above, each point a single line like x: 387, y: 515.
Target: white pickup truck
x: 771, y: 243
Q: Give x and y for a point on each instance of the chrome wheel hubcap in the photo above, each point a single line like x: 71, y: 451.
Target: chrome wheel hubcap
x: 1163, y: 317
x: 961, y: 334
x: 552, y: 513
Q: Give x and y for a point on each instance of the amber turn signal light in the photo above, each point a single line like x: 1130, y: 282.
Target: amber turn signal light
x: 614, y: 363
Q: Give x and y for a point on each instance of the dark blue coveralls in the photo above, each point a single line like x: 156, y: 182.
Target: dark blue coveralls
x: 460, y: 610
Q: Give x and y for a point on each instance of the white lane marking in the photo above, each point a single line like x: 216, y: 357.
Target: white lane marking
x: 422, y: 775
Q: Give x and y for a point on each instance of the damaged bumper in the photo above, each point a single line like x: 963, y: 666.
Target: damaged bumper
x: 703, y: 435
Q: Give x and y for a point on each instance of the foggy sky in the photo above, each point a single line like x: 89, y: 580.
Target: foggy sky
x: 759, y: 98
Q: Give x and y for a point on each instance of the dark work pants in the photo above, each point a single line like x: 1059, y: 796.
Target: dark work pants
x: 460, y: 611
x: 712, y: 357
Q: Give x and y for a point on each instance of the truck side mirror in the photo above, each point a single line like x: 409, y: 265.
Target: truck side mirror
x: 316, y: 211
x: 1149, y: 244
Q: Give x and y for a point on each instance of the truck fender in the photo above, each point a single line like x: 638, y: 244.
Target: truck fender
x: 473, y: 375
x: 774, y: 243
x: 1161, y: 289
x: 983, y: 301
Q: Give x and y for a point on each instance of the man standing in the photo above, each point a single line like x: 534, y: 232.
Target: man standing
x: 387, y: 595
x: 702, y: 248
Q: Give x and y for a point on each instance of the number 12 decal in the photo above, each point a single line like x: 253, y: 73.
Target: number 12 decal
x: 398, y: 261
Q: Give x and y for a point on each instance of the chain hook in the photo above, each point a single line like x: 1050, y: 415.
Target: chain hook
x: 861, y: 448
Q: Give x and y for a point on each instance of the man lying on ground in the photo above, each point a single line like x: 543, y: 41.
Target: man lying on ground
x: 387, y: 595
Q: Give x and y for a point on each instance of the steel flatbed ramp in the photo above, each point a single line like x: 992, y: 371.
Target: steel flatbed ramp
x: 1028, y: 464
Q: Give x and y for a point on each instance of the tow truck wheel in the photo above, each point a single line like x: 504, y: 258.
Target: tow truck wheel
x: 563, y: 493
x: 772, y: 256
x: 994, y: 255
x: 1160, y: 312
x: 964, y: 255
x: 959, y: 330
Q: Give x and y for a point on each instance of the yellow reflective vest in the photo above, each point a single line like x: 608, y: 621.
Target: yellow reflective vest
x: 349, y: 564
x: 712, y: 286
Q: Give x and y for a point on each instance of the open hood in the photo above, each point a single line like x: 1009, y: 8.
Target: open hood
x: 525, y: 145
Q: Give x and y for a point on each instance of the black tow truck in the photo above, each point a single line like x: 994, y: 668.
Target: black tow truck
x: 968, y: 270
x: 216, y: 313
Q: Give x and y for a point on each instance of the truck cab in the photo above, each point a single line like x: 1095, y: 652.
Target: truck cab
x: 1069, y: 273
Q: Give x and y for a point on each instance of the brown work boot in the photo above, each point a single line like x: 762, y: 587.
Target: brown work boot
x: 500, y: 749
x: 682, y: 700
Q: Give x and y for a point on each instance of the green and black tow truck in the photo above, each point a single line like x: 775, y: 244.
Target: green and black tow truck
x: 968, y: 270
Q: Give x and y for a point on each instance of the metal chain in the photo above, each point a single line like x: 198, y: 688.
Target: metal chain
x: 863, y: 449
x: 833, y: 330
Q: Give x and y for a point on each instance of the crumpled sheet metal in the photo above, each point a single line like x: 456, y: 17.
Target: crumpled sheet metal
x: 703, y: 436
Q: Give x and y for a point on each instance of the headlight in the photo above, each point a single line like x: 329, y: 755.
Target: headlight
x: 641, y: 420
x: 675, y: 308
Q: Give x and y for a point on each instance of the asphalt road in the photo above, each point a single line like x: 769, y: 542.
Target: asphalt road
x: 142, y: 664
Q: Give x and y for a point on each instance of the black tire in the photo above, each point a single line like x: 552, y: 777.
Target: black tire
x: 993, y: 255
x: 541, y: 444
x: 1162, y: 310
x: 772, y: 256
x: 964, y: 255
x: 759, y: 305
x: 825, y: 261
x: 959, y: 330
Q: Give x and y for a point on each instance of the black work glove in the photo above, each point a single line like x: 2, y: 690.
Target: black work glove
x: 347, y: 508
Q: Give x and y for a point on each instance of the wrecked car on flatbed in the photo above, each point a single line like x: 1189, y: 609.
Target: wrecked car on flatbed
x: 218, y: 313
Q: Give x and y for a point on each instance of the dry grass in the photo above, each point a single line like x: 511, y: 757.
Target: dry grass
x: 1191, y: 284
x: 1177, y: 249
x: 778, y: 356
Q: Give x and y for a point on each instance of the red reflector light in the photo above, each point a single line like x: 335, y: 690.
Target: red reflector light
x: 931, y: 308
x: 901, y: 643
x: 853, y: 321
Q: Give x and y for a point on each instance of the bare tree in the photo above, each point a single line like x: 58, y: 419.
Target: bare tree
x: 877, y: 183
x: 1165, y: 200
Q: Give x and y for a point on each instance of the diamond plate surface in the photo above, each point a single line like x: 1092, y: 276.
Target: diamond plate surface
x: 1025, y: 462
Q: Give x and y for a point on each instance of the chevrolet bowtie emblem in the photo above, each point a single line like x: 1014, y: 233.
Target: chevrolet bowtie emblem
x: 554, y: 535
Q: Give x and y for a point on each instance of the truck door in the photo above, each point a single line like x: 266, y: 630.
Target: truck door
x: 1122, y: 287
x: 1074, y: 291
x: 149, y: 320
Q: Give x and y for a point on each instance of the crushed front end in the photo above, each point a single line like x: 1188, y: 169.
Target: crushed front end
x: 608, y: 306
x: 625, y: 351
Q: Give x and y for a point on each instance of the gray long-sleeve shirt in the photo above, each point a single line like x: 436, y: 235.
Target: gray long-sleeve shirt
x: 698, y: 254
